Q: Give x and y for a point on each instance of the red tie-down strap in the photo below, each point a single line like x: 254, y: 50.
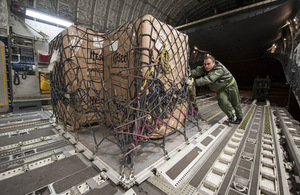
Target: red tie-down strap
x: 44, y: 57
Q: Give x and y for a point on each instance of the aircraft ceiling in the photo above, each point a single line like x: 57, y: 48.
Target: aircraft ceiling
x: 252, y: 36
x: 103, y: 15
x: 243, y: 34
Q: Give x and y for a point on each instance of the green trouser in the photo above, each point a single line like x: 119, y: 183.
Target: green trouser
x: 192, y: 91
x: 230, y: 95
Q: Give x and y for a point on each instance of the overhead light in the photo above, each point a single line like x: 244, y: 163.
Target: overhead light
x: 48, y: 18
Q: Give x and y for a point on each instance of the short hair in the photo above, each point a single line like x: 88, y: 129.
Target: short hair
x: 209, y: 57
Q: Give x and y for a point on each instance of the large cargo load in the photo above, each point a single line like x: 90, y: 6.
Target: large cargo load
x: 77, y: 77
x: 130, y: 79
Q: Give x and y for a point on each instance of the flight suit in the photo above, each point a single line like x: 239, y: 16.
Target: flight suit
x: 221, y: 81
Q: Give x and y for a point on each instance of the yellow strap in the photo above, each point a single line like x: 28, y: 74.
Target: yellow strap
x: 164, y: 60
x: 231, y: 83
x: 145, y: 81
x: 190, y: 87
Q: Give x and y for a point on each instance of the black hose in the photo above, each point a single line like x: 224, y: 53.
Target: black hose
x: 24, y: 75
x: 17, y: 78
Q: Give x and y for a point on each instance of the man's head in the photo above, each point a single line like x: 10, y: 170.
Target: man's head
x: 209, y: 63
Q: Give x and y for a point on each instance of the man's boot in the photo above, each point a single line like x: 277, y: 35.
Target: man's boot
x: 237, y: 121
x: 231, y: 119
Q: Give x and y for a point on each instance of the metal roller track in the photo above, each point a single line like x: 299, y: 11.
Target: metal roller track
x: 10, y: 120
x: 209, y: 109
x: 222, y: 159
x: 253, y: 164
x: 182, y: 172
x: 219, y: 171
x: 291, y: 131
x: 14, y: 130
x: 32, y: 149
x: 37, y: 157
x: 13, y: 158
x: 245, y: 160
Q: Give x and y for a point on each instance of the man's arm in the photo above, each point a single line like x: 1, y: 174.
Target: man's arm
x: 197, y: 72
x: 211, y: 77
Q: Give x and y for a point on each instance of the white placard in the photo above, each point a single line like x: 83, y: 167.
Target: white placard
x: 113, y: 46
x: 98, y: 42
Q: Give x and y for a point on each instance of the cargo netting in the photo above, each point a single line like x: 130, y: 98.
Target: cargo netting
x: 130, y: 80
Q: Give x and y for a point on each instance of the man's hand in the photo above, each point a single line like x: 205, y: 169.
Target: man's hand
x: 189, y: 82
x: 189, y: 71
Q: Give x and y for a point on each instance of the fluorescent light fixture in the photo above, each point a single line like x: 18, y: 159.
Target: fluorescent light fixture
x: 45, y: 17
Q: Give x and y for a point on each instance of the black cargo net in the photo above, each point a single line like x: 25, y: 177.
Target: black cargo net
x: 130, y: 80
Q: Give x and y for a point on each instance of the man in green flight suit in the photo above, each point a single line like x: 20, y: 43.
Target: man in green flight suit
x: 220, y: 80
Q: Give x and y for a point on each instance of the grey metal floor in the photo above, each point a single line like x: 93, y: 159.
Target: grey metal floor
x: 40, y: 156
